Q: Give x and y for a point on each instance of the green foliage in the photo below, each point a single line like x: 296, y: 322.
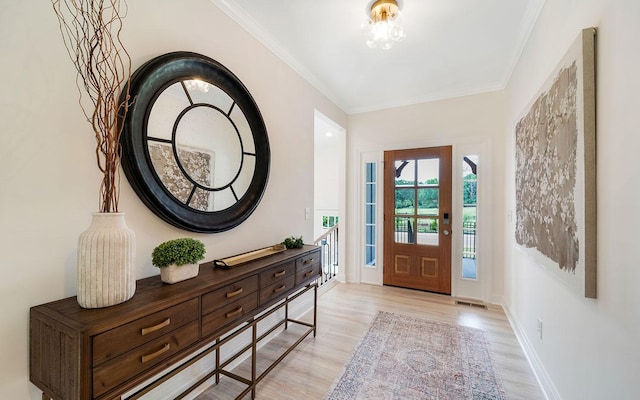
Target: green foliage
x: 329, y: 221
x: 428, y: 200
x: 469, y: 189
x: 433, y: 225
x: 469, y: 214
x: 178, y: 251
x: 293, y: 242
x: 426, y: 193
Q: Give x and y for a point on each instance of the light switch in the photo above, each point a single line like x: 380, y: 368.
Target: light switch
x: 307, y: 213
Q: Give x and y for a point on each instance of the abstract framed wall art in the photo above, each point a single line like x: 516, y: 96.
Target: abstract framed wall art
x: 555, y: 156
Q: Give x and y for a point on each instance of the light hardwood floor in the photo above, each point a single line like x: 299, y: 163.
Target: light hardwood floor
x: 345, y: 313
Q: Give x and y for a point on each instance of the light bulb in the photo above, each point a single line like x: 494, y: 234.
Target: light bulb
x: 383, y: 33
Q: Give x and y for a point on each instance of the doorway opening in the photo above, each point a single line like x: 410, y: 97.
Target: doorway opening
x: 329, y: 194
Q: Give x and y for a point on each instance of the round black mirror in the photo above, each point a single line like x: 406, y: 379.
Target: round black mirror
x: 194, y: 145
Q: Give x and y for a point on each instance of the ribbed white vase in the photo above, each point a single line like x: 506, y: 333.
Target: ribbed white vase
x: 106, y: 256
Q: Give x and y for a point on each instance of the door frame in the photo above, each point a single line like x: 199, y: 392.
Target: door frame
x: 462, y: 146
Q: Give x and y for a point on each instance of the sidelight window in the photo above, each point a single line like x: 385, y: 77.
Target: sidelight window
x: 370, y: 188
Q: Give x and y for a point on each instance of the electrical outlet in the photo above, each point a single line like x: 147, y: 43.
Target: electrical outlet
x: 539, y: 328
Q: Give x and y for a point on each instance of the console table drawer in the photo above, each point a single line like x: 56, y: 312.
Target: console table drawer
x: 219, y: 319
x: 308, y: 274
x: 118, y: 370
x: 228, y: 294
x: 114, y: 342
x: 276, y: 290
x: 276, y: 274
x: 307, y: 260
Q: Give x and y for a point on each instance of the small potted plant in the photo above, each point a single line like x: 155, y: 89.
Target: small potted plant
x: 293, y: 242
x: 178, y: 259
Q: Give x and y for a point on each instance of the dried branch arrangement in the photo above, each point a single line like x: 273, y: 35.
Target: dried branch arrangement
x: 91, y: 33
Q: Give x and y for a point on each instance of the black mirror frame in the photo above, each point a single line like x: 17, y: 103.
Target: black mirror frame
x: 146, y: 84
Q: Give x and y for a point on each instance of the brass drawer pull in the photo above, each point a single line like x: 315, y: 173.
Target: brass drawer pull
x: 280, y: 289
x: 153, y: 355
x: 308, y: 274
x: 154, y: 328
x: 308, y: 261
x: 279, y: 274
x: 232, y: 294
x: 234, y: 312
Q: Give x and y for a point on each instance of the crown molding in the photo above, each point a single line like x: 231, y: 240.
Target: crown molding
x: 437, y: 96
x: 266, y: 39
x: 255, y: 29
x: 529, y: 22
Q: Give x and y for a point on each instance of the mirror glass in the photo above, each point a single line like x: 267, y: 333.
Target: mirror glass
x: 196, y: 136
x: 203, y: 140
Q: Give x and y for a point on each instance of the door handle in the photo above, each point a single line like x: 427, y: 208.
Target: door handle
x: 446, y: 232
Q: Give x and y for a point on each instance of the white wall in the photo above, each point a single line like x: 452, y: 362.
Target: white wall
x: 464, y: 120
x: 49, y: 180
x: 590, y: 348
x: 328, y: 170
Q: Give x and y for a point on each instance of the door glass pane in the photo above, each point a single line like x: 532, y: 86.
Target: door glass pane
x: 405, y: 202
x: 405, y: 230
x: 428, y: 201
x: 427, y: 231
x: 405, y: 173
x: 469, y: 212
x: 428, y: 171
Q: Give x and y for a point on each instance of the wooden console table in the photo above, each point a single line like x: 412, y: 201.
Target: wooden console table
x: 102, y: 354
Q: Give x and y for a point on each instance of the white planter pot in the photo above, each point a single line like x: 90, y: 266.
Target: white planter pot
x: 174, y: 273
x: 106, y: 256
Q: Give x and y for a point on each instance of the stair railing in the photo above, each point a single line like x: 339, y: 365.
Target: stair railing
x: 329, y: 243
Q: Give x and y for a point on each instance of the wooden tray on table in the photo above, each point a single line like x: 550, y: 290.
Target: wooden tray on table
x: 240, y: 259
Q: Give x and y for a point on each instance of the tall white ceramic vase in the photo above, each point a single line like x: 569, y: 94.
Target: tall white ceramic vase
x: 106, y: 257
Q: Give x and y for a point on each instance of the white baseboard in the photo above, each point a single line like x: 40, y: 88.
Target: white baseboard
x: 544, y: 380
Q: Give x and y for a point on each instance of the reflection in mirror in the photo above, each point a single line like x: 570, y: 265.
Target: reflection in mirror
x: 197, y: 84
x: 165, y: 111
x: 172, y: 178
x: 201, y: 125
x: 205, y: 128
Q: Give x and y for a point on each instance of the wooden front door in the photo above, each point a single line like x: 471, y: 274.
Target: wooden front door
x: 417, y: 219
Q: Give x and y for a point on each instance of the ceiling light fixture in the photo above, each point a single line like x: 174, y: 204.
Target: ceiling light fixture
x: 383, y: 27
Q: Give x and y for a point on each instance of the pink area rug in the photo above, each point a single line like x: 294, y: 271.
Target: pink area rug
x: 406, y: 358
